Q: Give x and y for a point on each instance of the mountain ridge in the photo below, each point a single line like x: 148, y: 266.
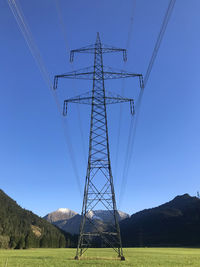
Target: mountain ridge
x: 174, y: 223
x: 71, y: 223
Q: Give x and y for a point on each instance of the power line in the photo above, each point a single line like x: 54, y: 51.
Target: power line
x: 23, y: 25
x: 131, y: 139
x: 159, y: 39
x: 19, y: 16
x: 63, y: 30
x: 130, y: 30
x: 62, y: 23
x: 130, y: 146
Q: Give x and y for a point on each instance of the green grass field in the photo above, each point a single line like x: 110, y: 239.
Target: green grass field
x: 139, y: 257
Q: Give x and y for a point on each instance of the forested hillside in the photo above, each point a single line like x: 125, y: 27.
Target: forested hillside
x: 175, y: 223
x: 20, y: 228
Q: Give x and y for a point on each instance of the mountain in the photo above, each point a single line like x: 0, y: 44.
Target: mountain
x: 71, y: 222
x: 175, y: 223
x: 72, y: 225
x: 106, y: 216
x: 60, y: 214
x: 20, y: 228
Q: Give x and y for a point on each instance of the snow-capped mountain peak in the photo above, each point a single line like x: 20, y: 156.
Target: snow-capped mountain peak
x: 60, y: 214
x: 63, y: 210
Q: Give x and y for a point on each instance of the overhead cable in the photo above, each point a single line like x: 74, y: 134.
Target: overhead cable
x: 130, y: 30
x: 130, y: 146
x: 63, y: 30
x: 23, y: 25
x: 159, y: 39
x: 133, y: 126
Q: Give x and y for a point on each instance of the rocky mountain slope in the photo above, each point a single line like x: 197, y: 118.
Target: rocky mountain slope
x: 71, y: 220
x: 60, y: 214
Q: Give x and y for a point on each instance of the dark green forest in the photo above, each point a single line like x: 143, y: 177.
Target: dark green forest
x: 20, y: 228
x: 173, y: 224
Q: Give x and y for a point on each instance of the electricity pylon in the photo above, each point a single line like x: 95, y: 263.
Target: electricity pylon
x: 99, y: 188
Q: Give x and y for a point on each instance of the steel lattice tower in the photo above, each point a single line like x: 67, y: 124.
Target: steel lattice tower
x: 99, y: 188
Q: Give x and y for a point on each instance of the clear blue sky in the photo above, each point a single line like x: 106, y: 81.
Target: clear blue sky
x: 35, y: 165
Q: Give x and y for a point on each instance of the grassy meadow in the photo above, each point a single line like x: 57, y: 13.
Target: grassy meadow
x: 139, y: 257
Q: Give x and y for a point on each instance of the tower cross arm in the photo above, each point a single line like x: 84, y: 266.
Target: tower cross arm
x: 89, y: 74
x: 90, y: 49
x: 86, y: 49
x: 112, y: 49
x: 118, y: 75
x: 88, y: 99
